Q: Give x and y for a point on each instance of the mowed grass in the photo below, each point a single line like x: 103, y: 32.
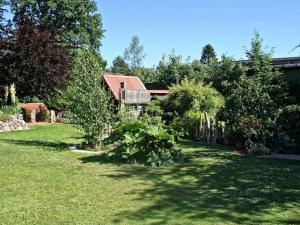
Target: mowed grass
x: 42, y: 182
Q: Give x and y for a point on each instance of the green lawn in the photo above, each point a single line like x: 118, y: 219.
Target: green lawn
x: 41, y: 182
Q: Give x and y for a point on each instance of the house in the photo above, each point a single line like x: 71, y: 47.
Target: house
x: 130, y: 91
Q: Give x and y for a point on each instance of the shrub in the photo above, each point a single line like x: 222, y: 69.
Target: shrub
x: 249, y: 130
x: 28, y: 99
x: 138, y: 141
x: 5, y: 117
x: 188, y: 102
x: 284, y: 143
x: 289, y: 122
x: 26, y: 115
x: 258, y: 149
x: 43, y: 115
x: 10, y: 109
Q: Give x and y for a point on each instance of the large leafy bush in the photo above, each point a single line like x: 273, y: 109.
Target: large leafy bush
x: 187, y: 104
x: 142, y: 142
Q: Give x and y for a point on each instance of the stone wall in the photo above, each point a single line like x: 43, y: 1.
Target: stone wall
x: 16, y: 123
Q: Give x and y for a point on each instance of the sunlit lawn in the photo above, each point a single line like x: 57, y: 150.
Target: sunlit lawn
x: 42, y: 182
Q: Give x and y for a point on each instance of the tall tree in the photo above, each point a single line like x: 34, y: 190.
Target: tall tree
x: 89, y: 106
x: 77, y: 20
x: 33, y: 61
x: 2, y: 19
x: 256, y: 97
x: 208, y: 54
x: 120, y: 66
x: 134, y: 54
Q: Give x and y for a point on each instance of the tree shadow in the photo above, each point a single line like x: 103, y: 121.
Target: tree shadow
x: 213, y: 186
x: 45, y: 145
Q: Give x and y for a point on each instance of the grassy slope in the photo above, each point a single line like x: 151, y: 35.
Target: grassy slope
x: 42, y: 183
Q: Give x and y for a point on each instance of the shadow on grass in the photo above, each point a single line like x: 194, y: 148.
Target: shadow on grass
x: 214, y: 186
x: 45, y: 145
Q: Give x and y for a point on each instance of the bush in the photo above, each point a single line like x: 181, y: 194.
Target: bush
x: 28, y: 99
x: 42, y: 115
x: 289, y: 122
x: 11, y: 110
x: 5, y: 117
x: 284, y: 143
x: 26, y: 115
x: 258, y: 149
x: 138, y: 141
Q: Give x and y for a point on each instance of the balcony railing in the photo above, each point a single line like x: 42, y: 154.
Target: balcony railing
x: 134, y: 97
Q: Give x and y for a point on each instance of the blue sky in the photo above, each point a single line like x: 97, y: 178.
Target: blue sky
x: 187, y: 25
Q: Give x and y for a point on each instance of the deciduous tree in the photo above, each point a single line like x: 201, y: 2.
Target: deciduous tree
x: 89, y: 102
x: 77, y: 20
x: 134, y: 54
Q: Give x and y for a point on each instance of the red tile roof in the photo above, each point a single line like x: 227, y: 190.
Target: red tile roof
x: 114, y: 83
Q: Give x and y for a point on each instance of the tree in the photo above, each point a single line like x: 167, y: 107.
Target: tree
x: 2, y: 26
x: 208, y: 54
x: 171, y: 70
x: 134, y: 54
x: 256, y: 98
x: 33, y: 61
x: 120, y: 66
x: 78, y: 21
x: 89, y: 103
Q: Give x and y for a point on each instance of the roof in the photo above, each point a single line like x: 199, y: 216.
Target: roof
x: 113, y: 82
x: 32, y: 106
x: 286, y: 62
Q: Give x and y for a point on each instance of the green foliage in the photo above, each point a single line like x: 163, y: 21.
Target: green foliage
x: 187, y: 104
x: 5, y: 117
x: 284, y: 143
x: 120, y: 66
x: 224, y: 74
x: 249, y: 129
x: 172, y: 70
x: 43, y: 115
x: 134, y: 54
x: 141, y: 142
x: 59, y: 101
x: 208, y: 54
x: 78, y: 21
x: 289, y: 122
x: 124, y: 114
x: 260, y: 94
x: 89, y: 103
x: 11, y: 110
x: 26, y: 115
x: 28, y: 99
x: 154, y: 108
x: 258, y: 149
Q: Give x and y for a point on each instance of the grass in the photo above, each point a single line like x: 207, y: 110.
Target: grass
x: 41, y: 182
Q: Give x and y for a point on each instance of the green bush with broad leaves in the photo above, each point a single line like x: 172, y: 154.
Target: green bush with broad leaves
x: 140, y: 142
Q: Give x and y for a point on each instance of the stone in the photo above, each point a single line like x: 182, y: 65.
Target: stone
x: 33, y: 116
